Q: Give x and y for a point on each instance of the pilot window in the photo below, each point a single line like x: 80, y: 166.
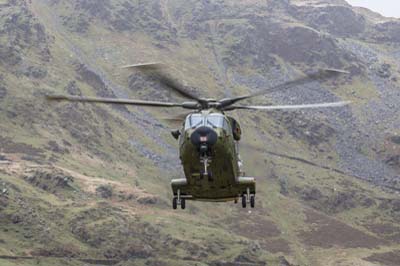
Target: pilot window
x: 215, y: 121
x: 212, y: 120
x: 193, y: 121
x: 218, y: 121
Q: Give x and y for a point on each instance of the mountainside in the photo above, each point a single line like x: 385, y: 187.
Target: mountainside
x: 88, y: 184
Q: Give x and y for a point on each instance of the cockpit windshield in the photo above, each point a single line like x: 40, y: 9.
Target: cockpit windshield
x: 215, y: 121
x: 211, y: 120
x: 194, y: 120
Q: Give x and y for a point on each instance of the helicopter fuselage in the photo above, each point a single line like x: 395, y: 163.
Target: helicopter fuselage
x: 208, y: 147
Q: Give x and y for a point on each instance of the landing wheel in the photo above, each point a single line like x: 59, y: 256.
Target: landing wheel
x: 244, y: 201
x: 174, y: 203
x: 183, y: 204
x: 252, y: 201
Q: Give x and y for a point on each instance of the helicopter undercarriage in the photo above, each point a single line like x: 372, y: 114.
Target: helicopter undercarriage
x: 246, y: 197
x: 242, y: 189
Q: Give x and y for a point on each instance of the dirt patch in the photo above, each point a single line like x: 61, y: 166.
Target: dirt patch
x: 48, y: 179
x: 392, y: 207
x: 333, y: 202
x: 105, y: 191
x: 56, y: 148
x: 30, y: 152
x: 256, y: 228
x: 327, y: 232
x: 112, y: 190
x: 387, y: 231
x: 276, y: 245
x: 66, y: 251
x: 90, y: 183
x: 115, y: 233
x: 388, y: 259
x: 262, y: 230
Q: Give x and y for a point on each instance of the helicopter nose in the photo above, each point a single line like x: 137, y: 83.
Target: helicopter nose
x: 204, y: 135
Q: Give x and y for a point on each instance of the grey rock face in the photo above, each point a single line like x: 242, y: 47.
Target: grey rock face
x: 337, y: 20
x: 3, y: 92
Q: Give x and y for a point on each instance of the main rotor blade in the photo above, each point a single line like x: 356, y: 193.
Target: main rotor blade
x: 157, y: 71
x: 72, y: 98
x: 320, y: 75
x: 150, y: 65
x: 177, y: 117
x: 176, y: 120
x: 291, y: 107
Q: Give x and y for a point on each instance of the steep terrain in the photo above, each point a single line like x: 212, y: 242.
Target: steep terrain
x: 89, y: 184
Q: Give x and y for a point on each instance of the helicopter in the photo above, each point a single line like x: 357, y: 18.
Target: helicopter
x: 209, y: 138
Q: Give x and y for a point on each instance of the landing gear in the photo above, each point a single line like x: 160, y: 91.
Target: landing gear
x: 177, y: 200
x: 252, y: 201
x: 247, y: 197
x: 174, y: 203
x: 183, y: 204
x: 244, y: 201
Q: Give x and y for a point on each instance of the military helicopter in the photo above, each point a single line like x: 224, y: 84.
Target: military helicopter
x: 208, y: 139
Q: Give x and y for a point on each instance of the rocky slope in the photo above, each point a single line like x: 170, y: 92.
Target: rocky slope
x: 89, y: 184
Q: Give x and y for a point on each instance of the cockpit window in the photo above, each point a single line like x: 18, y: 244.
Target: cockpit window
x: 212, y: 120
x: 215, y: 121
x: 193, y: 121
x: 218, y: 121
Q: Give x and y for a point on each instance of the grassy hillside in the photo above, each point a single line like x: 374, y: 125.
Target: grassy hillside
x: 89, y: 184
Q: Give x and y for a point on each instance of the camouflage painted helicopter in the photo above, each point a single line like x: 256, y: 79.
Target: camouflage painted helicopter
x: 208, y: 139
